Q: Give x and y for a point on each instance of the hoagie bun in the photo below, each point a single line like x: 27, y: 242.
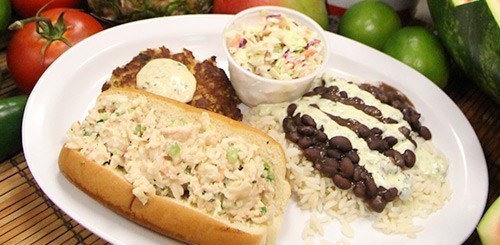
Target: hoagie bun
x: 190, y: 174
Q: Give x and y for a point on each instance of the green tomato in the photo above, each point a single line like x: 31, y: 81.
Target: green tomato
x: 369, y: 22
x: 420, y: 49
x: 5, y: 14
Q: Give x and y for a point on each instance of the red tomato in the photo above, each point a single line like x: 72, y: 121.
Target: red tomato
x: 26, y: 57
x: 28, y: 8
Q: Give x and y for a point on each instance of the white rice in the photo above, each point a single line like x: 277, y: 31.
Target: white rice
x: 319, y: 194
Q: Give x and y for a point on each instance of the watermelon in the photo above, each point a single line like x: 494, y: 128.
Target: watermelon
x: 470, y: 31
x: 489, y: 226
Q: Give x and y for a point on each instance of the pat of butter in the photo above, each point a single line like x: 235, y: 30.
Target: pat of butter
x: 168, y: 78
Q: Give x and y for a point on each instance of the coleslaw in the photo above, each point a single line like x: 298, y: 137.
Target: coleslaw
x: 280, y: 48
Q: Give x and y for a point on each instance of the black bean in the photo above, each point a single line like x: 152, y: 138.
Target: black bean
x: 366, y: 87
x: 290, y: 110
x: 343, y: 94
x: 308, y: 120
x: 306, y: 130
x: 310, y: 93
x: 383, y: 146
x: 363, y: 131
x: 289, y: 125
x: 380, y: 95
x: 334, y: 153
x: 312, y: 154
x: 425, y: 133
x: 293, y: 136
x: 320, y: 137
x: 372, y: 110
x: 330, y: 96
x: 391, y: 140
x: 414, y: 118
x: 333, y: 89
x: 304, y: 142
x: 383, y: 98
x: 353, y: 155
x: 346, y: 167
x: 375, y: 143
x: 376, y: 131
x: 329, y: 166
x: 401, y: 97
x: 364, y: 174
x: 340, y: 142
x: 392, y: 95
x: 405, y: 131
x: 390, y: 120
x: 341, y: 182
x: 377, y: 204
x: 390, y: 194
x: 320, y: 89
x: 297, y: 120
x: 397, y: 104
x: 396, y: 157
x: 359, y: 189
x: 410, y: 158
x: 371, y: 187
x: 407, y: 114
x: 356, y: 176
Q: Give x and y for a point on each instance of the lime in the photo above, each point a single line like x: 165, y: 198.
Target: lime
x: 420, y: 49
x: 369, y: 22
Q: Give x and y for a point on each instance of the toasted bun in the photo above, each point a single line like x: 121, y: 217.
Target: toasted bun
x: 172, y: 217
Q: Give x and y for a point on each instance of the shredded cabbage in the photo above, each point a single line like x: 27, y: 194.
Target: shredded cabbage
x: 280, y: 48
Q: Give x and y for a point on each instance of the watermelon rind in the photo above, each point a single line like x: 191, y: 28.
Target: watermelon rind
x: 460, y: 2
x: 471, y: 36
x: 488, y: 228
x: 494, y: 6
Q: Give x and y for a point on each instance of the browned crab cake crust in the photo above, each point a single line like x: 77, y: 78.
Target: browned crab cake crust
x: 214, y: 91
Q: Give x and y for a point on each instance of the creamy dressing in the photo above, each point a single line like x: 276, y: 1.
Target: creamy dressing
x: 353, y: 90
x: 168, y: 78
x: 387, y: 111
x: 384, y: 172
x: 429, y: 159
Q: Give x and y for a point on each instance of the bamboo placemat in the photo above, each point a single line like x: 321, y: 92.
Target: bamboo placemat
x: 27, y: 216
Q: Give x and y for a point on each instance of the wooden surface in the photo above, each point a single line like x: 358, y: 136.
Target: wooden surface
x: 27, y: 215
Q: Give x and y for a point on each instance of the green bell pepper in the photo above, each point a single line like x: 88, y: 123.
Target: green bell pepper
x: 11, y: 117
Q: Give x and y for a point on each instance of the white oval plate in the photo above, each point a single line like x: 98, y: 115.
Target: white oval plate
x: 70, y: 85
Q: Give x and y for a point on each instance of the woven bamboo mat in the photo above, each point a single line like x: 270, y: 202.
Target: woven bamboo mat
x: 27, y: 216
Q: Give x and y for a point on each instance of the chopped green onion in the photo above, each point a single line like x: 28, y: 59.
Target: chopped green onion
x: 269, y: 171
x: 174, y: 150
x: 86, y: 133
x: 139, y: 129
x: 232, y: 155
x: 263, y: 210
x: 178, y: 122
